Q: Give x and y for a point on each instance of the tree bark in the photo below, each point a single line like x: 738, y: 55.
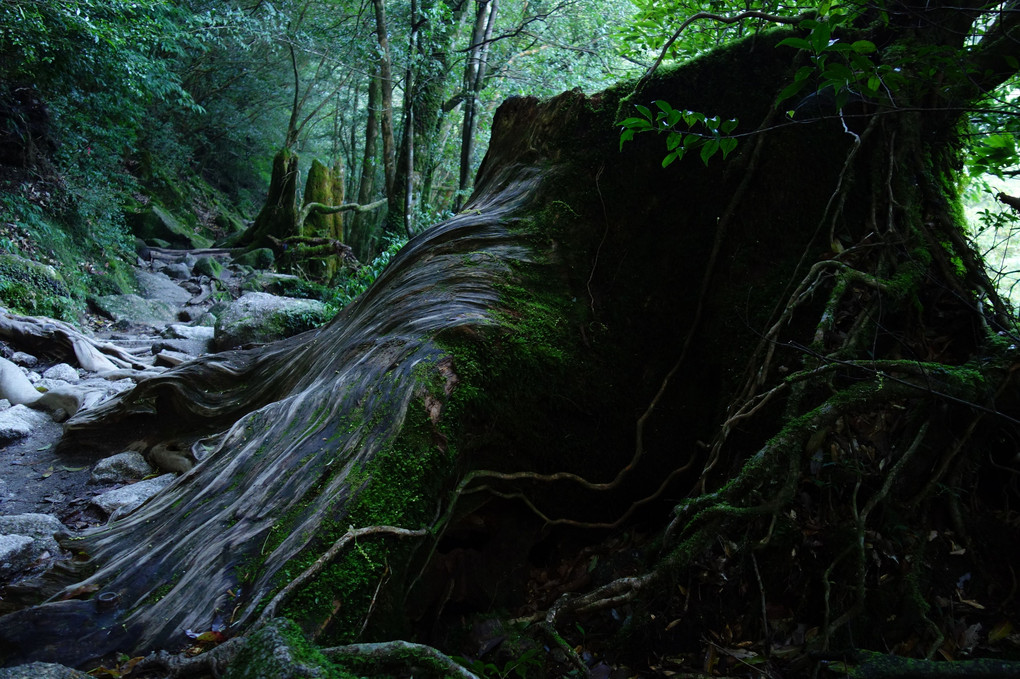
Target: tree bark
x: 474, y: 77
x: 385, y: 71
x: 361, y: 237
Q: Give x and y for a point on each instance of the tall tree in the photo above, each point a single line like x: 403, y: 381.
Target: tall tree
x: 385, y: 78
x: 475, y: 68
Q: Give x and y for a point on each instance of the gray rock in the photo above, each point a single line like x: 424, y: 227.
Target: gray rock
x: 191, y: 332
x: 196, y: 315
x: 135, y: 309
x: 42, y: 529
x: 257, y: 318
x: 27, y: 360
x: 121, y: 468
x: 168, y: 358
x: 41, y: 670
x: 122, y: 500
x: 159, y: 286
x: 61, y: 371
x: 4, y: 404
x: 18, y: 422
x: 178, y: 271
x: 15, y: 554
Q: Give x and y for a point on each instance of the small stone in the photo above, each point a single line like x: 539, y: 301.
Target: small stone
x: 27, y: 360
x: 61, y: 371
x: 122, y: 500
x: 121, y: 468
x: 18, y: 422
x: 15, y: 553
x: 41, y: 670
x: 43, y: 529
x: 178, y: 271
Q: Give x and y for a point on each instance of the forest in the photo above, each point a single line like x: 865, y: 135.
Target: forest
x: 666, y: 338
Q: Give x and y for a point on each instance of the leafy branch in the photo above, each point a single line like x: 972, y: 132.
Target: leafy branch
x: 685, y: 130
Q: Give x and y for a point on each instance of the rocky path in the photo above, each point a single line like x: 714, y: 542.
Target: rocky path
x: 189, y: 303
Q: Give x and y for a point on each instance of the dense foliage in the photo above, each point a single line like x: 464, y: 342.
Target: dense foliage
x: 107, y: 105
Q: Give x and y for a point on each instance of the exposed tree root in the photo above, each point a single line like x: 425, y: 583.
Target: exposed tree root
x: 401, y: 654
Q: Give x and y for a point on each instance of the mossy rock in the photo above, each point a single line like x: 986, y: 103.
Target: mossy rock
x: 261, y: 258
x: 153, y: 224
x: 36, y: 289
x: 280, y: 651
x: 229, y: 223
x: 134, y: 309
x: 257, y: 317
x: 283, y: 284
x: 208, y: 266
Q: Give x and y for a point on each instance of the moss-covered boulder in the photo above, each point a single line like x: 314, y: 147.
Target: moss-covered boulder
x: 36, y: 289
x: 257, y: 317
x: 153, y: 223
x: 280, y: 651
x: 133, y: 309
x: 260, y: 258
x: 208, y: 266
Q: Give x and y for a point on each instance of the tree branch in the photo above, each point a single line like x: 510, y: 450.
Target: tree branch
x: 353, y: 534
x: 323, y: 209
x: 751, y: 14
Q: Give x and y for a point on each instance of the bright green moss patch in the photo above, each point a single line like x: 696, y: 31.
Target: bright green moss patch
x: 397, y: 487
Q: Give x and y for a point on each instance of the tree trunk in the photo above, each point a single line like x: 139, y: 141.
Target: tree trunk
x: 278, y: 215
x: 474, y: 77
x: 386, y: 100
x: 774, y: 360
x: 361, y: 237
x: 324, y: 186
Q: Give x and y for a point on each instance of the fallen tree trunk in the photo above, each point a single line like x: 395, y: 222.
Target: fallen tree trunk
x: 594, y: 341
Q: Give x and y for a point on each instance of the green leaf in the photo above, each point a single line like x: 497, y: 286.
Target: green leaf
x: 863, y: 46
x: 820, y: 37
x: 727, y: 145
x: 790, y: 90
x: 728, y: 125
x: 693, y: 117
x: 625, y: 136
x: 709, y: 149
x: 673, y: 140
x: 637, y: 124
x: 644, y: 111
x: 663, y: 106
x: 796, y: 43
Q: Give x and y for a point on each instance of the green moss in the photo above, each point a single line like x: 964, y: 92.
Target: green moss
x: 396, y: 487
x: 281, y: 651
